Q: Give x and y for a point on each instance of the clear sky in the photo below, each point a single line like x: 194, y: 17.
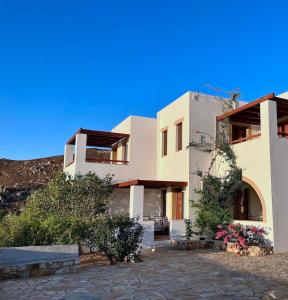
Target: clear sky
x: 70, y: 64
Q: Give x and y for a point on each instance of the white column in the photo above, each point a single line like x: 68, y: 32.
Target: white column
x: 80, y: 151
x: 68, y: 154
x: 268, y: 113
x: 169, y: 203
x: 136, y: 202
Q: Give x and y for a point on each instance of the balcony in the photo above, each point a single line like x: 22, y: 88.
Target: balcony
x: 100, y: 152
x: 104, y: 156
x: 245, y: 121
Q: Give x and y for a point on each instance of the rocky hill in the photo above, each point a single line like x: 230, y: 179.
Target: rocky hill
x: 18, y: 178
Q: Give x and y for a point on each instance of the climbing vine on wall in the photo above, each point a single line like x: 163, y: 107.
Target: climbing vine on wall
x: 215, y: 193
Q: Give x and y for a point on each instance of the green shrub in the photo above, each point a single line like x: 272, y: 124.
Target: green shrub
x: 67, y: 230
x: 213, y: 201
x: 188, y: 229
x: 61, y: 213
x: 18, y: 231
x: 82, y: 196
x: 118, y: 236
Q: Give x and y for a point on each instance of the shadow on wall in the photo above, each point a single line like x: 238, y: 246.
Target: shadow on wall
x: 119, y: 202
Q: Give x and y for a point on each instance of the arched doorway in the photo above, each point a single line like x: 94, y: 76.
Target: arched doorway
x: 249, y: 204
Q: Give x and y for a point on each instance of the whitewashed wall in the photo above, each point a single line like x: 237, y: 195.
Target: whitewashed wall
x: 119, y: 202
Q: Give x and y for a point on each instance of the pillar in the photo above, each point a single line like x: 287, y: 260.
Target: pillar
x: 268, y: 115
x: 169, y: 204
x: 68, y: 154
x: 80, y: 151
x: 136, y: 206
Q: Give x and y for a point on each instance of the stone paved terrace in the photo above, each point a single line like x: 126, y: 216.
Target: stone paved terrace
x: 165, y: 274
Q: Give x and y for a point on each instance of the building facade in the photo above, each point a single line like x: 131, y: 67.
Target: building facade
x: 154, y: 170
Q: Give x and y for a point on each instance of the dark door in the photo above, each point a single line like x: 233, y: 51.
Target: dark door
x: 241, y: 201
x: 179, y: 204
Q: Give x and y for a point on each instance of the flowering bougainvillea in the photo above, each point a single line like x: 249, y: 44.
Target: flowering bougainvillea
x: 242, y: 235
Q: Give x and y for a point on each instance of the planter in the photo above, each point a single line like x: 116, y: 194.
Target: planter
x: 192, y: 244
x: 219, y: 245
x: 231, y: 247
x: 260, y: 250
x: 251, y: 250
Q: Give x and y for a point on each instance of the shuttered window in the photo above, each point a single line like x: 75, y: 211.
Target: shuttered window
x: 164, y: 142
x: 179, y: 130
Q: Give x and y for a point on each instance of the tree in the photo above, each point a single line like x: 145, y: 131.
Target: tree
x: 60, y: 213
x: 215, y: 202
x: 83, y: 196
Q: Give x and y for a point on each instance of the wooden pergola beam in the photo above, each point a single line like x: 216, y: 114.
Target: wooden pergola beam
x: 245, y: 107
x: 99, y: 138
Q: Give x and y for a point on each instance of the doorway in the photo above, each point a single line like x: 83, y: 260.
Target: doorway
x: 179, y: 204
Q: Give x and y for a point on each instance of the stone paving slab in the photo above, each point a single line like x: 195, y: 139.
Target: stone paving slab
x: 165, y: 274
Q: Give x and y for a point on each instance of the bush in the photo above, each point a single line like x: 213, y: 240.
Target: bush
x: 58, y: 214
x: 118, y: 236
x: 67, y: 230
x: 16, y: 231
x: 82, y: 196
x: 19, y: 231
x: 188, y: 229
x: 243, y: 236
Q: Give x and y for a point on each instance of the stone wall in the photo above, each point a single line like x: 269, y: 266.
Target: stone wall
x: 23, y: 262
x: 198, y: 244
x: 39, y: 269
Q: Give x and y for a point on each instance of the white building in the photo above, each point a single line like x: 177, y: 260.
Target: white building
x: 154, y: 169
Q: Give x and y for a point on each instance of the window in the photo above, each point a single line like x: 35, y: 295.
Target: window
x: 179, y: 136
x: 164, y: 142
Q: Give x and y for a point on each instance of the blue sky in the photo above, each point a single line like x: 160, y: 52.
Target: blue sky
x: 71, y: 64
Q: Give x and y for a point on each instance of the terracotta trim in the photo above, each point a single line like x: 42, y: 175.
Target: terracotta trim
x: 247, y: 138
x: 258, y: 192
x: 164, y: 129
x: 108, y: 161
x: 151, y: 183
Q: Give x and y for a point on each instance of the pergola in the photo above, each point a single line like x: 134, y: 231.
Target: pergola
x: 250, y: 112
x: 102, y: 141
x: 97, y: 138
x: 152, y: 184
x: 174, y: 196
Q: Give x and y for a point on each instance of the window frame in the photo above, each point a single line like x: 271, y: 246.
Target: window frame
x: 179, y: 137
x: 164, y: 141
